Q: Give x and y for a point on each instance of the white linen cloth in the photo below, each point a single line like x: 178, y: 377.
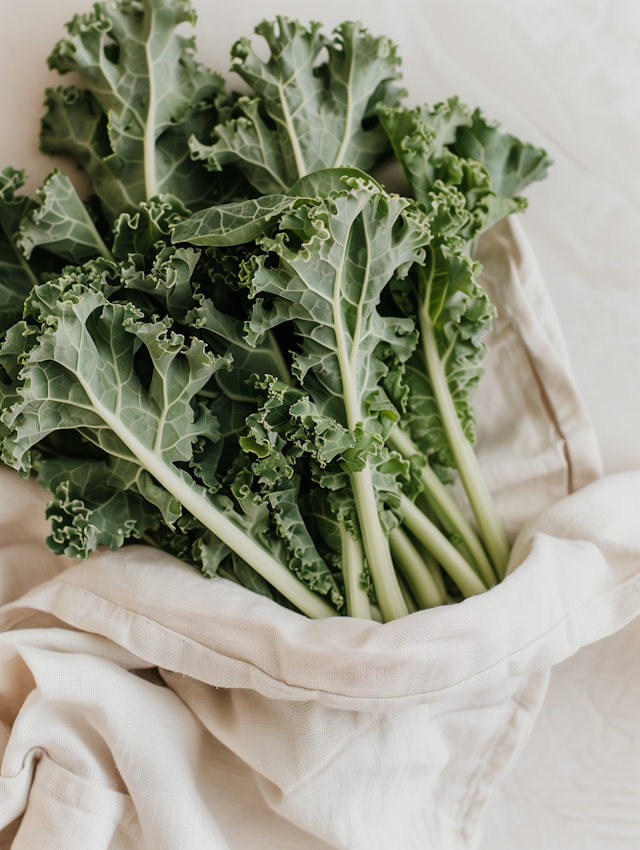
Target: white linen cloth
x: 276, y: 731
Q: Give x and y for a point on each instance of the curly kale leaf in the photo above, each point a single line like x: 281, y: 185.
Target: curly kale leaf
x: 144, y: 97
x: 61, y: 223
x: 449, y: 146
x: 306, y: 116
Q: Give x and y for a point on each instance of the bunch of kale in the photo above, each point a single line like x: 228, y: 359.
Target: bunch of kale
x: 242, y: 349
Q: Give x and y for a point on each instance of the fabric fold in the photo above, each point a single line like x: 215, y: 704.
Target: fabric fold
x: 579, y: 581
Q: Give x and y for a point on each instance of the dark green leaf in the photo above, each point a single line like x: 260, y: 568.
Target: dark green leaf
x: 16, y: 277
x: 459, y: 311
x: 137, y: 234
x: 100, y: 503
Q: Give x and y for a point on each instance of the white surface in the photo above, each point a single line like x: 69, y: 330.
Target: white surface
x: 563, y: 74
x: 577, y: 784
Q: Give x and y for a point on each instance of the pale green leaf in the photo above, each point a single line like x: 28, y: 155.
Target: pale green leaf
x: 512, y: 164
x: 130, y: 387
x: 76, y: 126
x: 169, y: 281
x: 61, y: 224
x: 330, y: 287
x: 232, y: 224
x: 145, y: 96
x: 81, y: 373
x: 442, y: 148
x: 306, y: 117
x: 321, y: 183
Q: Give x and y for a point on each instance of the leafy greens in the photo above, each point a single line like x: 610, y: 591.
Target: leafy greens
x: 256, y: 358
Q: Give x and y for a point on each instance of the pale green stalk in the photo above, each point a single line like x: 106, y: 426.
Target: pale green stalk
x: 431, y: 564
x: 480, y: 499
x: 451, y: 560
x: 445, y: 507
x: 352, y: 569
x: 421, y: 583
x: 376, y: 543
x: 406, y: 593
x: 376, y: 547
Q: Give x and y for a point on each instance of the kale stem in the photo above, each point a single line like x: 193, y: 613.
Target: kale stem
x: 480, y: 499
x: 451, y: 560
x: 352, y: 569
x: 445, y: 507
x: 376, y: 547
x: 416, y: 573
